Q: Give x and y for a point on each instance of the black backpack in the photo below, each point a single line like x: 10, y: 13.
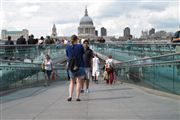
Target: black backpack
x: 72, y: 62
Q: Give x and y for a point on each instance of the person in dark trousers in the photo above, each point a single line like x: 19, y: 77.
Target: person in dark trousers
x: 21, y: 42
x: 109, y: 66
x: 74, y: 53
x: 9, y: 48
x: 87, y: 57
x: 48, y: 69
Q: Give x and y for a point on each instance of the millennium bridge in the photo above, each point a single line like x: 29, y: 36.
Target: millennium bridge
x: 146, y: 87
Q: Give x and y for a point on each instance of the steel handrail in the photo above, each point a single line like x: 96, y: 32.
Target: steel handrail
x: 174, y: 62
x: 154, y: 57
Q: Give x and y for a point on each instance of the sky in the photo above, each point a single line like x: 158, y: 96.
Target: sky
x: 38, y: 16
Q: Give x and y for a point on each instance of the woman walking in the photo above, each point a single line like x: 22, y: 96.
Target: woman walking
x: 74, y: 53
x: 48, y: 69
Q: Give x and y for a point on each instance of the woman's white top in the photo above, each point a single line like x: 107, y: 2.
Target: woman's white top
x: 48, y: 65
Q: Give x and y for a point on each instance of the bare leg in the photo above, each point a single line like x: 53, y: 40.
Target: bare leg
x: 96, y: 78
x: 78, y: 87
x: 82, y: 84
x: 71, y: 87
x: 49, y: 79
x: 46, y: 80
x: 87, y: 84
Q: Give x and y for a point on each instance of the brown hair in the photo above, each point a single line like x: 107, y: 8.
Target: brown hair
x: 47, y: 57
x: 74, y: 38
x: 110, y: 56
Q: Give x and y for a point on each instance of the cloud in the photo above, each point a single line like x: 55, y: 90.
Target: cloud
x: 33, y: 8
x: 39, y: 15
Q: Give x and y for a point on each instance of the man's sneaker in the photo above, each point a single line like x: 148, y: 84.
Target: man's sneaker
x: 87, y: 90
x: 82, y: 91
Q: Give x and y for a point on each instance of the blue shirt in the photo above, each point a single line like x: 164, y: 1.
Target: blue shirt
x: 78, y: 51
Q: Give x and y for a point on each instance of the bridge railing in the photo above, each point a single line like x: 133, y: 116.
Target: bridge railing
x: 124, y: 52
x: 33, y: 52
x: 16, y: 74
x: 23, y: 64
x: 160, y: 72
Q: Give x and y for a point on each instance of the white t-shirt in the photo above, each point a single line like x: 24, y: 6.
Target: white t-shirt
x: 109, y: 62
x: 95, y: 64
x: 48, y: 65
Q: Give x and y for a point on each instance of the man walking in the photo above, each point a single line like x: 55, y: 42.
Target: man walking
x: 87, y: 57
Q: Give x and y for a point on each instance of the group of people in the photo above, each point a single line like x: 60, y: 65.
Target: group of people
x: 87, y: 63
x: 81, y: 62
x: 82, y: 66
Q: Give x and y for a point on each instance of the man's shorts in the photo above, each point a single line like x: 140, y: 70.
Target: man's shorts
x: 88, y: 73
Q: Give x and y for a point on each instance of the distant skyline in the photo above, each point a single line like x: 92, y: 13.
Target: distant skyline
x: 38, y: 16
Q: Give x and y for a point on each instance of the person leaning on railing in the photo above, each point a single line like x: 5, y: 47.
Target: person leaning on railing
x: 9, y: 48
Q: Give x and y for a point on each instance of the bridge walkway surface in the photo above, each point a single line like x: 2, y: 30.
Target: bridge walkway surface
x: 104, y: 102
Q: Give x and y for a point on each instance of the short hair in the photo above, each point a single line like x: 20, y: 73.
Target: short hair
x: 110, y: 56
x: 95, y: 55
x: 9, y: 37
x: 42, y: 38
x: 85, y: 41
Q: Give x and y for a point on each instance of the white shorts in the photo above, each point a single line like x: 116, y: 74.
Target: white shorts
x: 95, y: 73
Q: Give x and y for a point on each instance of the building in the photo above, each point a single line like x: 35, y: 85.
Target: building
x: 96, y: 32
x: 14, y: 34
x: 54, y: 32
x: 151, y: 32
x: 144, y: 35
x: 103, y: 32
x: 161, y: 34
x: 127, y: 32
x: 86, y: 28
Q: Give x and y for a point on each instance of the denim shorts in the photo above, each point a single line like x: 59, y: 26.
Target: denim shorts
x: 79, y: 73
x: 48, y: 72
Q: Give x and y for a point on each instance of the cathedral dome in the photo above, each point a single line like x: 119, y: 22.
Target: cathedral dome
x: 86, y: 20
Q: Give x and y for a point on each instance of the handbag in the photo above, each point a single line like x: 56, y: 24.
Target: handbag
x: 53, y: 75
x: 105, y: 75
x: 72, y: 65
x: 43, y: 67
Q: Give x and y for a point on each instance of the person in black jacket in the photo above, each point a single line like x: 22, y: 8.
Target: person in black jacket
x: 21, y: 48
x: 9, y: 48
x: 21, y: 40
x: 87, y: 57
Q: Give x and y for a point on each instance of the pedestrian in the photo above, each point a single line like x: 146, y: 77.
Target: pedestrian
x: 87, y: 57
x: 9, y: 48
x: 74, y: 53
x: 48, y: 66
x: 109, y: 67
x: 95, y: 68
x: 21, y: 47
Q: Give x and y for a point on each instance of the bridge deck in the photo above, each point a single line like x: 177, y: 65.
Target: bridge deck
x: 118, y: 102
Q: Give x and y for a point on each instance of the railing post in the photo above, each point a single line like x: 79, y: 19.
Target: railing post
x: 154, y: 67
x: 173, y: 77
x: 37, y: 77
